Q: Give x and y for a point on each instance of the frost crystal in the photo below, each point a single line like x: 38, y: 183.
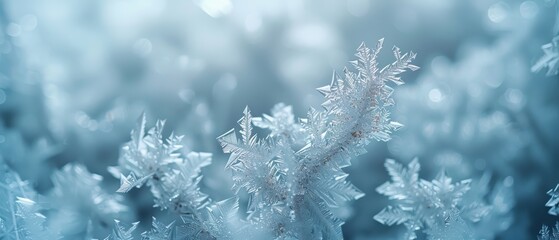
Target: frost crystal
x: 159, y: 231
x: 150, y: 159
x: 78, y: 197
x: 29, y: 160
x: 121, y: 233
x: 20, y: 216
x: 174, y: 182
x: 550, y: 59
x: 293, y: 189
x: 444, y: 210
x: 553, y: 201
x: 282, y: 122
x: 545, y: 234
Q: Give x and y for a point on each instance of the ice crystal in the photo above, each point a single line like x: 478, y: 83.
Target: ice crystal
x: 442, y: 209
x: 78, y: 197
x: 553, y: 201
x: 220, y: 219
x: 159, y: 231
x: 174, y: 182
x: 545, y: 234
x: 282, y: 122
x: 29, y: 160
x: 293, y: 189
x: 20, y: 215
x: 550, y: 59
x: 490, y: 210
x: 121, y: 233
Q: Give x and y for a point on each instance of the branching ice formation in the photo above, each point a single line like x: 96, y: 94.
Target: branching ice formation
x: 292, y: 189
x: 442, y: 209
x: 174, y: 182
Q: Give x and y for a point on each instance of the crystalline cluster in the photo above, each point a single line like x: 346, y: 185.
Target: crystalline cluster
x: 174, y: 182
x: 155, y: 161
x: 440, y: 208
x: 74, y: 76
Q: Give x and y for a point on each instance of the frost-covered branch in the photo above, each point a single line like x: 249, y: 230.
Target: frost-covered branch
x: 292, y: 189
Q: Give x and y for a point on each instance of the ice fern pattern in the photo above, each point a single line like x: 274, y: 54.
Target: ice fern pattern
x: 441, y: 208
x: 293, y: 188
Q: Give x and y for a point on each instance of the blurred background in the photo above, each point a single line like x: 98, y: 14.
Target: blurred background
x: 75, y: 76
